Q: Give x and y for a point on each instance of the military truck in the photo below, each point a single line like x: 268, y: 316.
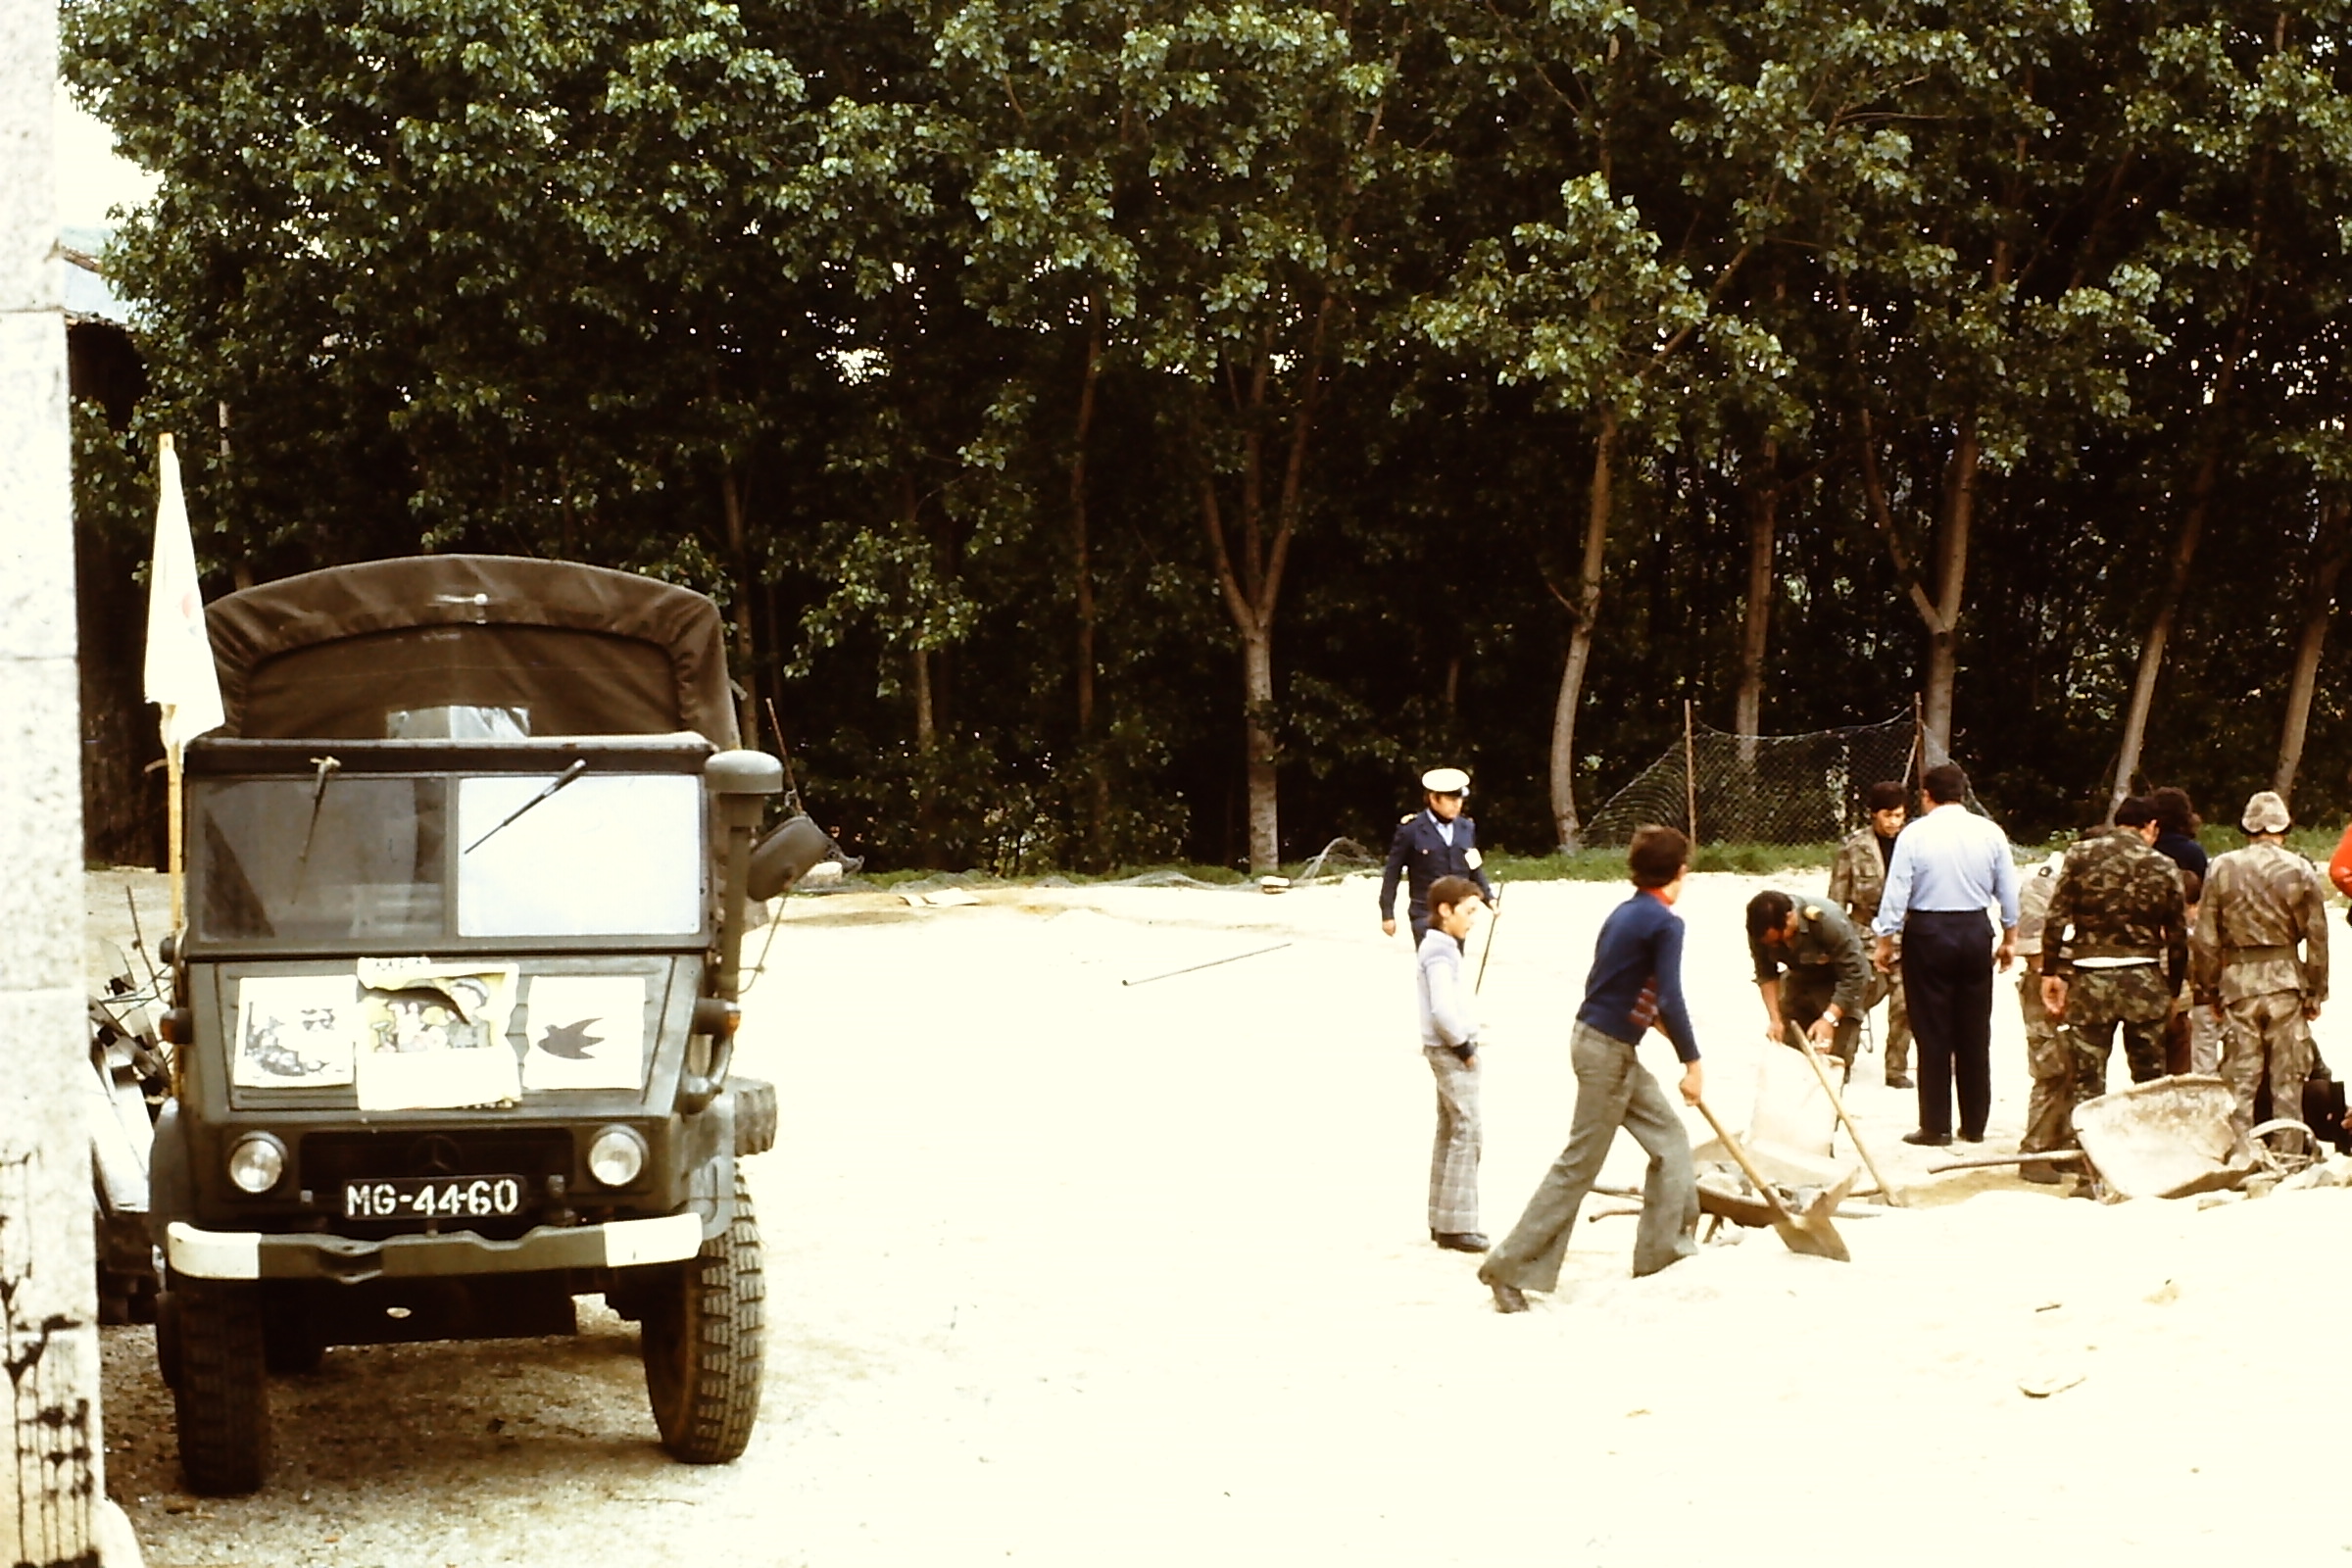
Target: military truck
x: 453, y: 1008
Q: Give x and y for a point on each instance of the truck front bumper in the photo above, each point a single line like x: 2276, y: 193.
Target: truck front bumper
x: 263, y: 1255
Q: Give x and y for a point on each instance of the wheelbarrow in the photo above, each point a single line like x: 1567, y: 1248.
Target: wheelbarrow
x: 1807, y: 1232
x: 2165, y: 1138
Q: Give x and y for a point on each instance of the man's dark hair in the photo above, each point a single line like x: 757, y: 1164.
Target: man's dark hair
x: 1767, y: 913
x: 1449, y: 892
x: 2175, y: 814
x: 1944, y: 783
x: 1885, y: 795
x: 1657, y: 855
x: 2136, y: 811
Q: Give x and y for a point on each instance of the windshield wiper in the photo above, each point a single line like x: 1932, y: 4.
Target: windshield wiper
x: 327, y: 768
x: 578, y: 766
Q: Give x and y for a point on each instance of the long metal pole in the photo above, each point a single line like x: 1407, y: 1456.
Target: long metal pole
x: 1210, y: 965
x: 1690, y: 774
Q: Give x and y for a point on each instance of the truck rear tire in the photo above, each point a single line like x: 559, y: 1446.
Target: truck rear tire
x: 705, y: 1343
x: 222, y: 1393
x: 755, y: 1115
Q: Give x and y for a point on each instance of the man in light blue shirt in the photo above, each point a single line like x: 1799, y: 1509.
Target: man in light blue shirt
x: 1949, y: 867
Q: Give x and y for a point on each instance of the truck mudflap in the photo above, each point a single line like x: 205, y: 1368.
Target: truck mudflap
x: 261, y: 1255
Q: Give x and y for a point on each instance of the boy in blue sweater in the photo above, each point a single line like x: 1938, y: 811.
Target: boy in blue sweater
x: 1636, y: 985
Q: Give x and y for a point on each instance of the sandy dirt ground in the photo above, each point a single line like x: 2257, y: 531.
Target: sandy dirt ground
x: 1066, y: 1270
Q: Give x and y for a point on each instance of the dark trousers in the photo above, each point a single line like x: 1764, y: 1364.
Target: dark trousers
x: 1948, y: 974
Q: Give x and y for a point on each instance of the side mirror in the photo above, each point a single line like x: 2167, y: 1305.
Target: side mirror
x: 785, y: 856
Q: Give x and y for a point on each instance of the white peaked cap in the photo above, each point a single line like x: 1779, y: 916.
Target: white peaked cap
x: 1446, y: 781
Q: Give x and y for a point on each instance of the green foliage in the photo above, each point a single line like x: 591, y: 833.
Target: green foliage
x: 941, y: 341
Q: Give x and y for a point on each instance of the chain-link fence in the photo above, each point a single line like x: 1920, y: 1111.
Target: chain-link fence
x: 1766, y: 789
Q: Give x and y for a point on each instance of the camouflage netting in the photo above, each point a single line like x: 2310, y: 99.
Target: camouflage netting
x: 1766, y: 789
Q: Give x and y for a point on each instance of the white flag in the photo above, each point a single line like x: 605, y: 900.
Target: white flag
x: 179, y: 651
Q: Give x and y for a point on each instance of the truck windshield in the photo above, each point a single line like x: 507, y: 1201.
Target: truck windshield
x: 614, y: 855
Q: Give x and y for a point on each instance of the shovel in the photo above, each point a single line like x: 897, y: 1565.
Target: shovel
x: 1810, y: 1232
x: 1805, y: 1048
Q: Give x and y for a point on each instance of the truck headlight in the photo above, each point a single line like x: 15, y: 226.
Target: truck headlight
x: 256, y: 1163
x: 616, y: 1157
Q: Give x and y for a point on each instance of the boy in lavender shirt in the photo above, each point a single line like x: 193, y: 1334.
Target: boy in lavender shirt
x: 1449, y: 1042
x: 1636, y: 985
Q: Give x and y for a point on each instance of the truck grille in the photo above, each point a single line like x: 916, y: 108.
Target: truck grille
x: 330, y: 1160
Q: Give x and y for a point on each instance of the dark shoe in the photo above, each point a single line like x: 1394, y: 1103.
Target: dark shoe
x: 2045, y: 1175
x: 1460, y: 1240
x: 1927, y: 1140
x: 1899, y: 1080
x: 1972, y: 1138
x: 1509, y: 1298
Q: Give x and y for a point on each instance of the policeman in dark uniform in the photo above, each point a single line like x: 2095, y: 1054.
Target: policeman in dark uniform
x: 1438, y: 841
x: 1827, y: 977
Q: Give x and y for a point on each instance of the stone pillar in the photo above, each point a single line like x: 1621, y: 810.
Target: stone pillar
x: 53, y: 1507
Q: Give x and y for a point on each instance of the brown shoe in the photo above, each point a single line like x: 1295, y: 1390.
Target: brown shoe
x: 1460, y: 1240
x: 1508, y: 1298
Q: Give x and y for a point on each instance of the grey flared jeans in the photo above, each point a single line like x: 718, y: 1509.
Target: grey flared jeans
x: 1613, y: 1090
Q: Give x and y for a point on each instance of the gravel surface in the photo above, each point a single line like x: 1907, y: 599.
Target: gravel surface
x: 1070, y: 1271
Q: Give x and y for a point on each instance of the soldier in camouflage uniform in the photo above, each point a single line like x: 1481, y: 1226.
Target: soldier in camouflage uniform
x: 2114, y: 947
x: 2259, y: 903
x: 1857, y: 881
x: 1827, y: 975
x: 2050, y: 1054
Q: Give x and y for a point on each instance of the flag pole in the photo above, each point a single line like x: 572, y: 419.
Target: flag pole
x: 180, y: 678
x: 172, y: 816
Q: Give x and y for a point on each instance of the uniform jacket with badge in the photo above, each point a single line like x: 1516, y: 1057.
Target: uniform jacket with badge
x: 1825, y: 941
x: 1420, y: 854
x: 1858, y: 877
x: 2259, y: 901
x: 2116, y: 897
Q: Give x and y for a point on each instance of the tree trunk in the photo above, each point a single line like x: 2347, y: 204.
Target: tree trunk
x: 739, y: 554
x: 1250, y: 577
x: 2329, y: 554
x: 926, y: 723
x: 1951, y: 584
x: 1257, y: 734
x: 2160, y: 630
x: 1579, y: 638
x: 1755, y: 631
x: 1098, y: 780
x: 1082, y: 569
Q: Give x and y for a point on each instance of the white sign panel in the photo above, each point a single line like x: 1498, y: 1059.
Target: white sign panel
x: 587, y: 1031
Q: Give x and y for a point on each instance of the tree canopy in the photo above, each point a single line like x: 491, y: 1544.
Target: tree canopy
x: 1130, y: 430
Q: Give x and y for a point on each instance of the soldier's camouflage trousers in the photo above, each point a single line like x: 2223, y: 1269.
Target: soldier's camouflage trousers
x: 2050, y: 1059
x: 1888, y: 988
x: 2098, y: 1001
x: 2266, y: 1032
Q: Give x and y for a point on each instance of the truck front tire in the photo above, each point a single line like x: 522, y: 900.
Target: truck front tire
x: 222, y: 1388
x: 704, y: 1342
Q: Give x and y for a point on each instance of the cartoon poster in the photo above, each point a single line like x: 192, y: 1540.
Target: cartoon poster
x: 433, y: 1035
x: 587, y: 1031
x: 295, y: 1031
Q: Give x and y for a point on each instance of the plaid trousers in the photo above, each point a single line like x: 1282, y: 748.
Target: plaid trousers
x: 1454, y: 1159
